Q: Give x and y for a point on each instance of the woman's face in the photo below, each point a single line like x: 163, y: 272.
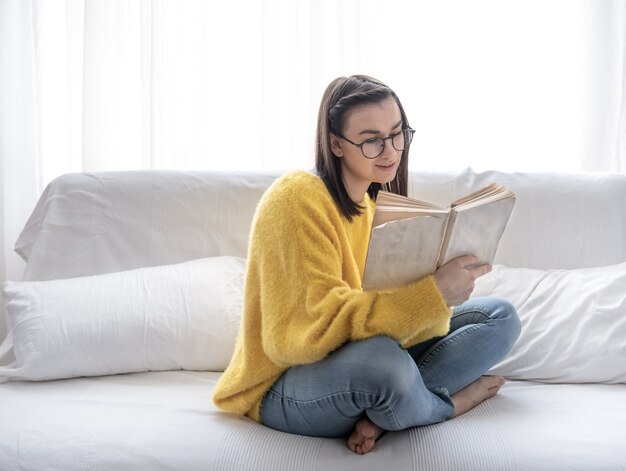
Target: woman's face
x: 366, y: 122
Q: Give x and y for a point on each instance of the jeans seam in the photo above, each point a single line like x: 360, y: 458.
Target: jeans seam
x: 481, y: 310
x: 447, y: 342
x: 296, y: 401
x: 321, y: 397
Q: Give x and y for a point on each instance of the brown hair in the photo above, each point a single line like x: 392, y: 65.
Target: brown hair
x: 341, y: 96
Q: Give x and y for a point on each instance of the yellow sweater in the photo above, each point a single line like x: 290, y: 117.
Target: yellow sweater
x: 303, y: 296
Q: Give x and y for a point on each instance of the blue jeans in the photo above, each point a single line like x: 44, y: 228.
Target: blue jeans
x: 397, y: 388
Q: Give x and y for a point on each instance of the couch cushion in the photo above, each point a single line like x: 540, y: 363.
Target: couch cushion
x: 560, y: 220
x: 181, y: 316
x: 94, y: 223
x: 573, y: 323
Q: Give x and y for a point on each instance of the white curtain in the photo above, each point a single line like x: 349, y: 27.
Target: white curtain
x: 19, y: 144
x: 87, y: 85
x: 604, y: 90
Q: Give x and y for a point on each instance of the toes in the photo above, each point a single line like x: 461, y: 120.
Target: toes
x: 364, y: 437
x: 355, y: 442
x: 360, y: 444
x: 499, y: 380
x: 367, y: 445
x: 494, y: 381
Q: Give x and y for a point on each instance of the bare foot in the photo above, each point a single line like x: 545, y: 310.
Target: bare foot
x: 472, y: 395
x: 364, y: 436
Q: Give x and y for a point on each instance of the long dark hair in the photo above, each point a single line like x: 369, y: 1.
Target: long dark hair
x: 341, y: 96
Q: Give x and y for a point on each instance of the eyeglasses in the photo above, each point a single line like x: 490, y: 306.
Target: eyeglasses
x: 372, y: 148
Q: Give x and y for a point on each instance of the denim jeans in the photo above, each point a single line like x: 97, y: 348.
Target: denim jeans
x: 397, y: 388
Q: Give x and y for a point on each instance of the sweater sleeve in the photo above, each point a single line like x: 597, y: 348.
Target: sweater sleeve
x: 308, y: 309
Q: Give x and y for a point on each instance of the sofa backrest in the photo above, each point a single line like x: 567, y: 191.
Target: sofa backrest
x: 574, y: 220
x: 93, y: 223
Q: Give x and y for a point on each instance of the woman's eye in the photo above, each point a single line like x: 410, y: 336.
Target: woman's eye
x: 372, y: 140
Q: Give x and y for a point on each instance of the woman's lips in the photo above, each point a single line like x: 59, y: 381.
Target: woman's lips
x: 387, y: 166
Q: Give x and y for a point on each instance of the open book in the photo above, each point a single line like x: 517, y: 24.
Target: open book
x: 411, y: 238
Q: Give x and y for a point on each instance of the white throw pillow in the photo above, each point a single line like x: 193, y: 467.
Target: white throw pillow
x: 183, y: 316
x: 573, y: 323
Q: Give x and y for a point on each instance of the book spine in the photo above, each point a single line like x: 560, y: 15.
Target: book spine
x: 446, y: 238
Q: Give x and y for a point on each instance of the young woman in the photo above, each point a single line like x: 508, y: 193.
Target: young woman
x: 317, y: 355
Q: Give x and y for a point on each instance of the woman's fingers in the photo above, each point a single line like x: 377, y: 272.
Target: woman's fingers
x: 471, y: 263
x: 481, y: 270
x: 465, y: 261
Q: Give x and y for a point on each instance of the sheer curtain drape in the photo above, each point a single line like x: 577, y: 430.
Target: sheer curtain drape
x: 19, y: 144
x: 604, y: 93
x: 528, y: 85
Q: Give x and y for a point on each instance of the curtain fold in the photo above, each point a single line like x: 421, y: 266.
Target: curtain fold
x: 19, y: 131
x: 20, y: 144
x: 604, y: 139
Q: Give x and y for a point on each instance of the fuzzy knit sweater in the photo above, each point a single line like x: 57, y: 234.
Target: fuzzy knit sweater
x: 303, y: 296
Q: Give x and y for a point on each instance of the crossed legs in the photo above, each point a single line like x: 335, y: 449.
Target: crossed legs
x: 367, y: 387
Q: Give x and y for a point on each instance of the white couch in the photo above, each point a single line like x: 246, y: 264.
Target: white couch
x: 88, y: 307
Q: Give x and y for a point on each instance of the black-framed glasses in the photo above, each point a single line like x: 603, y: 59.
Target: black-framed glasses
x: 372, y: 148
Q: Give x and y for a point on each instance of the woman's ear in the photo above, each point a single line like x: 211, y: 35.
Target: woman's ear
x: 335, y: 145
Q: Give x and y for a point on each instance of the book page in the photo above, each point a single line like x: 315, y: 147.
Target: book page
x: 391, y: 207
x: 392, y: 200
x: 500, y: 193
x: 483, y: 192
x: 477, y: 230
x: 387, y: 215
x: 403, y: 251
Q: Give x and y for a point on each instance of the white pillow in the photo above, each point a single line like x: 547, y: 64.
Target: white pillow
x: 183, y: 316
x: 573, y: 323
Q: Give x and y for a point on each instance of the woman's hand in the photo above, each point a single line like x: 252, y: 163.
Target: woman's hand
x: 456, y: 278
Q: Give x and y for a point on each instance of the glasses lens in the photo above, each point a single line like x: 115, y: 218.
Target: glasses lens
x: 399, y: 140
x: 372, y: 148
